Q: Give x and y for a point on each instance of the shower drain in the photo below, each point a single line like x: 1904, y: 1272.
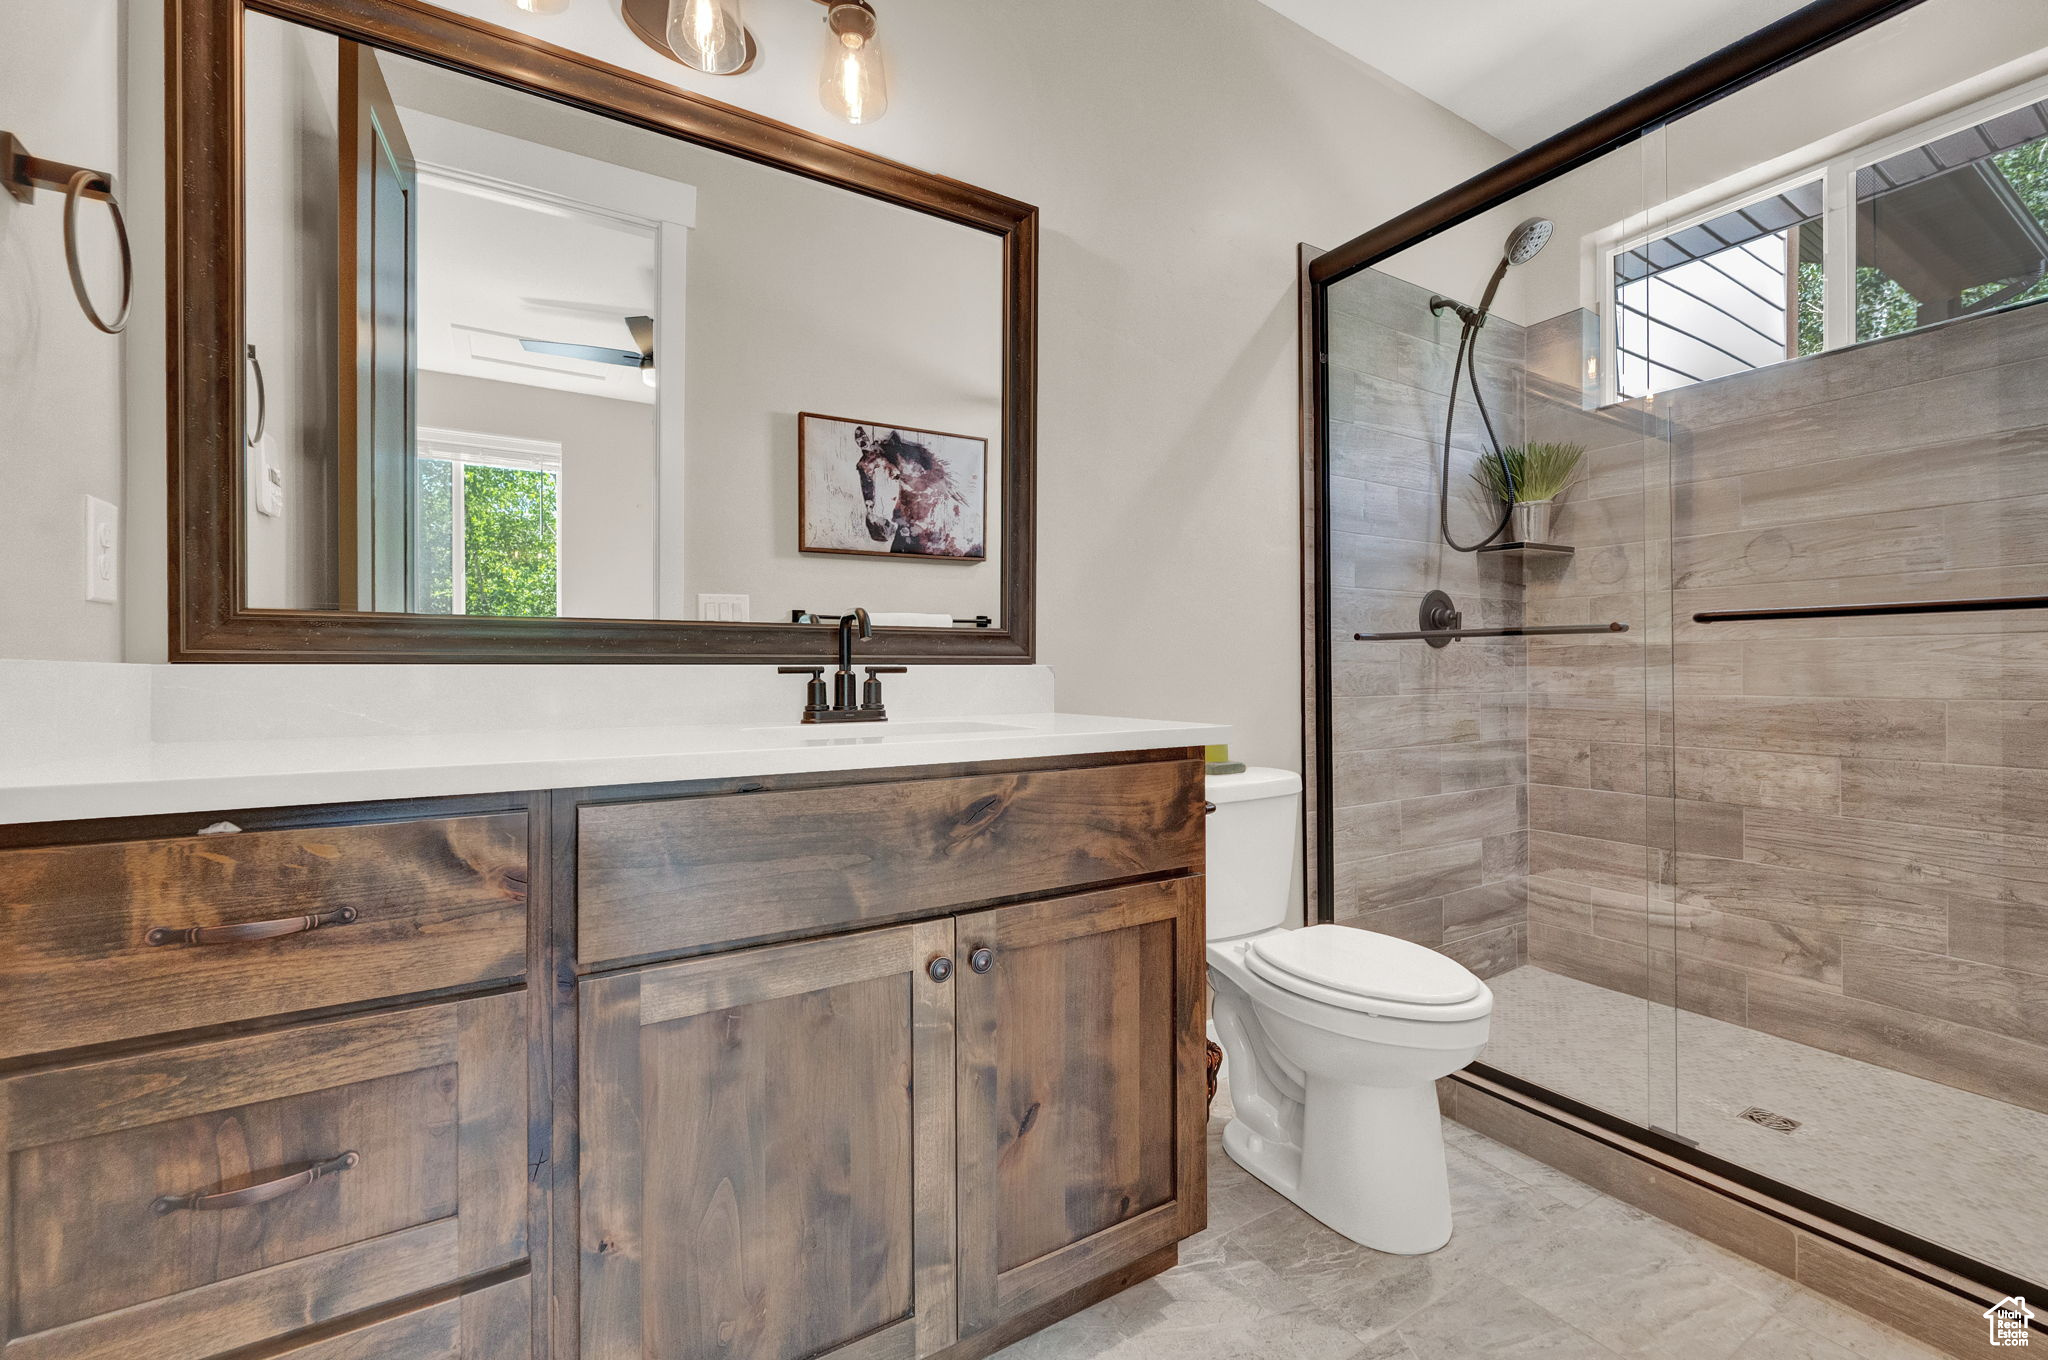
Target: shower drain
x: 1770, y: 1119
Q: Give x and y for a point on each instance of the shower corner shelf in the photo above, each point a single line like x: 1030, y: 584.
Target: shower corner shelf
x: 1531, y: 549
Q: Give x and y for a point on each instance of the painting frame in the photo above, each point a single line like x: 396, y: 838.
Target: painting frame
x: 809, y: 538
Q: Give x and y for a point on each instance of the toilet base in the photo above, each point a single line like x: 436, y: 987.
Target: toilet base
x: 1371, y: 1165
x: 1276, y: 1164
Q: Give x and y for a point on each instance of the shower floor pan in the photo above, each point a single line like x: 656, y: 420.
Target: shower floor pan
x: 1957, y: 1168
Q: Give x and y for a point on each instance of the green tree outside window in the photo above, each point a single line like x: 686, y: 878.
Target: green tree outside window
x: 509, y: 530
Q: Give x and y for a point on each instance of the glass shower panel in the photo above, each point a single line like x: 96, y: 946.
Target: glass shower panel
x: 1494, y: 798
x: 1860, y: 878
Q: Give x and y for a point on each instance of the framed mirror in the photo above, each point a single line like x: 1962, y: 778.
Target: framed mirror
x: 484, y: 350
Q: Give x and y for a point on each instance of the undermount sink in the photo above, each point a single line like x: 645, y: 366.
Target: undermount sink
x: 881, y: 731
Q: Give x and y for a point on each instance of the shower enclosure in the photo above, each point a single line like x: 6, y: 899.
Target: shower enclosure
x: 1734, y: 784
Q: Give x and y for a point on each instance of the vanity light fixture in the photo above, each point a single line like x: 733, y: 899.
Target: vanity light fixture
x: 855, y: 83
x: 711, y: 36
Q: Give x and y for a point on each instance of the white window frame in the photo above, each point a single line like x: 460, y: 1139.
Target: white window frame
x: 1836, y: 164
x: 470, y: 448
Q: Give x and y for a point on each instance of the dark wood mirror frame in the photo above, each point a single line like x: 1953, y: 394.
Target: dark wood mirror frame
x: 210, y: 620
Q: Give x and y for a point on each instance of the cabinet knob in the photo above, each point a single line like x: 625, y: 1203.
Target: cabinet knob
x: 981, y: 960
x: 939, y: 969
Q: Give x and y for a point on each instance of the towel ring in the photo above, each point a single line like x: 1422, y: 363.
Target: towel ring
x: 255, y: 435
x: 74, y: 188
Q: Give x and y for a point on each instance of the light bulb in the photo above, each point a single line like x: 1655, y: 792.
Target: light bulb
x: 540, y: 6
x: 708, y: 35
x: 855, y: 82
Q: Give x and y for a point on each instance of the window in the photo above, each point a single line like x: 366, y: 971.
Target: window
x: 487, y: 525
x: 1947, y: 220
x: 1736, y: 292
x: 1954, y: 227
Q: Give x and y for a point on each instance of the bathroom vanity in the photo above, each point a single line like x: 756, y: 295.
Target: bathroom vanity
x: 879, y: 1062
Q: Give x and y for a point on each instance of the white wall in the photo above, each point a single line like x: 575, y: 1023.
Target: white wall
x: 1178, y: 151
x: 292, y: 250
x: 60, y: 380
x: 608, y: 483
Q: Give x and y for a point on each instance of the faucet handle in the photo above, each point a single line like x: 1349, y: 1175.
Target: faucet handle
x: 817, y: 698
x: 871, y: 690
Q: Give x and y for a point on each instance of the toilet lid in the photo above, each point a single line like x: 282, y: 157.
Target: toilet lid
x: 1365, y: 964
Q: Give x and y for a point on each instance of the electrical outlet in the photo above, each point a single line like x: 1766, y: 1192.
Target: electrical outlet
x: 102, y: 551
x: 725, y: 608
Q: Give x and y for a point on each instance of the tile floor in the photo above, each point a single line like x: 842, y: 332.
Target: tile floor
x: 1871, y: 1139
x: 1539, y: 1265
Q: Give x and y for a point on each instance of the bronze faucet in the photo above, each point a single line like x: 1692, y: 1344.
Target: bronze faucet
x: 850, y: 702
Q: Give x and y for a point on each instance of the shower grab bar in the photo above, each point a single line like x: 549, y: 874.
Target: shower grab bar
x: 1994, y: 604
x: 1442, y: 625
x: 1453, y: 634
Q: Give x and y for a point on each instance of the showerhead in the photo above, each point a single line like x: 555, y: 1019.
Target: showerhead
x: 1524, y: 241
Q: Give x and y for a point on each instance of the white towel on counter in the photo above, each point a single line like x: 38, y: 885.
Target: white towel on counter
x: 911, y: 620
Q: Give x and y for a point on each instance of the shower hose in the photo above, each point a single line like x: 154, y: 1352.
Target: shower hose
x: 1468, y: 340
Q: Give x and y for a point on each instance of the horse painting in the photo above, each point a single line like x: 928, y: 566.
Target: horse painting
x: 912, y: 493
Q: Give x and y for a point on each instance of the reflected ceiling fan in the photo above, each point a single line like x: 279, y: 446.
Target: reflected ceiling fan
x: 641, y: 357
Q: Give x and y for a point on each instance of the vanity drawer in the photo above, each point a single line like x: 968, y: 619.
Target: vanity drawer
x: 200, y: 1199
x: 489, y: 1324
x: 404, y: 907
x: 688, y: 874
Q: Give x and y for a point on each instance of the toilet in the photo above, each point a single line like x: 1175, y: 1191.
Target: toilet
x: 1333, y: 1037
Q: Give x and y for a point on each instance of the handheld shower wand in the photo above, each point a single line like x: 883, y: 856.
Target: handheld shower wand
x: 1522, y: 244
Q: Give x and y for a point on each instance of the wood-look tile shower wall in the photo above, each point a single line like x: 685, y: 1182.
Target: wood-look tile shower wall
x: 1430, y: 746
x: 1857, y: 854
x: 1834, y: 832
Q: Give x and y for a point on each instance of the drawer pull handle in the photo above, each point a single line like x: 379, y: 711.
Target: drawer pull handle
x: 939, y: 969
x: 251, y: 931
x: 982, y: 959
x: 255, y: 1194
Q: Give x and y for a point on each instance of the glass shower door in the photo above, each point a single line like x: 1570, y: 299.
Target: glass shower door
x: 1506, y: 799
x: 1859, y: 735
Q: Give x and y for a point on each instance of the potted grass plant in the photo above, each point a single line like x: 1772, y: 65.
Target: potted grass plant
x: 1530, y: 477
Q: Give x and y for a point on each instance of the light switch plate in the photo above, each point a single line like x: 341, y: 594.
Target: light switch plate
x: 725, y: 608
x: 102, y: 550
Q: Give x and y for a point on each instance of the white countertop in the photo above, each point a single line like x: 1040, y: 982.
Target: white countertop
x: 148, y: 776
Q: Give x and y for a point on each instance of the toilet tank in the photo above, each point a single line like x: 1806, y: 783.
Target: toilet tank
x: 1252, y: 839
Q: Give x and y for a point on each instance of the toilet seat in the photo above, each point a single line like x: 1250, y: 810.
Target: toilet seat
x: 1363, y: 971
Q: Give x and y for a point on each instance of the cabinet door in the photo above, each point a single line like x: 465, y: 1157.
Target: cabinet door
x: 767, y: 1153
x: 1081, y: 1091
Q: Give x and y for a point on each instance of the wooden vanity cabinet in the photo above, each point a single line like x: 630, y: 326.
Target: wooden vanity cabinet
x: 871, y: 1066
x: 898, y: 1142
